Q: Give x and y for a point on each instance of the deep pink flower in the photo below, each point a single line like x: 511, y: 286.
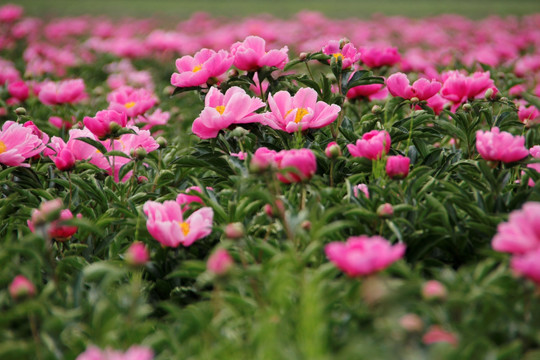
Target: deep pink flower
x: 18, y: 143
x: 348, y: 54
x: 303, y: 161
x: 10, y: 13
x: 500, y: 146
x: 56, y: 230
x: 223, y: 110
x: 133, y: 102
x: 363, y: 255
x: 62, y: 92
x: 251, y: 54
x: 375, y: 57
x: 135, y: 352
x: 458, y: 87
x: 521, y: 233
x: 196, y: 70
x: 436, y: 334
x: 19, y: 90
x: 299, y: 112
x: 21, y: 287
x: 100, y: 125
x: 399, y: 85
x: 62, y: 156
x: 373, y: 145
x: 262, y: 159
x: 527, y: 265
x: 220, y: 262
x: 397, y: 167
x: 529, y: 115
x: 137, y: 254
x: 167, y: 225
x: 60, y: 123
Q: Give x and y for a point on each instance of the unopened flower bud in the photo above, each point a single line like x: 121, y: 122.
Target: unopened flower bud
x: 233, y: 73
x: 433, y: 289
x: 168, y: 90
x: 488, y: 94
x: 20, y: 111
x: 343, y: 42
x: 162, y: 142
x: 376, y: 109
x: 21, y: 287
x: 220, y: 262
x: 140, y: 153
x: 385, y: 210
x: 306, y: 225
x: 415, y: 99
x: 332, y: 150
x: 269, y: 209
x: 234, y: 230
x: 467, y: 107
x: 302, y: 56
x: 114, y: 127
x: 137, y: 254
x: 239, y: 132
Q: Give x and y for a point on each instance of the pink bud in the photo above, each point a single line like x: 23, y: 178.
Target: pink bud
x: 433, y: 289
x: 21, y: 287
x: 332, y: 150
x: 397, y: 167
x: 436, y: 334
x: 137, y: 254
x: 361, y: 188
x: 234, y: 230
x: 219, y: 262
x: 385, y: 210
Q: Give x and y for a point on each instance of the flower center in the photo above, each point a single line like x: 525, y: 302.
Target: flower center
x: 220, y: 109
x: 129, y: 105
x: 184, y: 226
x: 2, y: 147
x: 197, y: 68
x: 337, y: 56
x: 300, y: 113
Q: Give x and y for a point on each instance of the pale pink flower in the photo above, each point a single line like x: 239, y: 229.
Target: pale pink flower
x: 220, y: 262
x: 500, y: 146
x: 521, y: 233
x: 373, y: 145
x: 198, y: 69
x: 527, y: 265
x: 399, y: 85
x: 100, y: 125
x: 397, y: 167
x: 433, y: 289
x: 21, y: 287
x: 223, y: 110
x: 303, y: 162
x: 375, y: 57
x: 167, y: 225
x: 62, y: 92
x: 18, y: 143
x: 251, y: 54
x: 131, y: 101
x: 348, y: 54
x: 436, y: 334
x: 363, y: 255
x: 299, y: 112
x: 158, y: 117
x: 535, y: 151
x: 135, y: 352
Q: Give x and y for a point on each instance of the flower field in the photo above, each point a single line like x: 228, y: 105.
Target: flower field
x: 269, y: 189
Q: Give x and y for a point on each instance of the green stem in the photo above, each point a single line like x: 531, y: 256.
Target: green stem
x: 410, y: 131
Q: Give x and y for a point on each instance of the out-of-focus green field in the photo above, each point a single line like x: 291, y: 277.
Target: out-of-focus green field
x: 281, y: 8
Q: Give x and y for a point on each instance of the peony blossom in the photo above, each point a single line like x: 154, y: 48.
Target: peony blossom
x: 21, y: 287
x: 63, y: 92
x: 529, y: 115
x: 433, y: 289
x: 299, y: 112
x: 56, y: 230
x: 458, y: 88
x: 61, y: 154
x: 220, y: 262
x: 135, y: 352
x: 397, y: 167
x: 10, y: 13
x: 521, y: 233
x: 198, y: 69
x: 373, y: 145
x: 19, y: 90
x: 348, y: 54
x: 133, y: 102
x: 527, y: 265
x: 363, y: 255
x: 18, y: 143
x: 361, y: 188
x: 500, y: 146
x: 100, y: 125
x: 399, y: 85
x: 262, y: 159
x: 223, y: 110
x: 375, y: 57
x: 251, y: 54
x: 436, y: 334
x: 137, y: 254
x: 187, y: 197
x: 167, y: 225
x: 303, y: 162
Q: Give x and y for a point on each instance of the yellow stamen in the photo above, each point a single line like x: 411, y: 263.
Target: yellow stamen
x: 197, y: 68
x: 129, y: 105
x: 220, y: 109
x: 184, y: 226
x: 300, y: 113
x: 338, y: 55
x: 3, y: 147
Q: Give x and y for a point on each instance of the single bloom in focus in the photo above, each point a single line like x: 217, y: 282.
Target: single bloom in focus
x: 373, y: 145
x: 397, y: 167
x: 500, y: 146
x: 196, y: 70
x: 251, y: 54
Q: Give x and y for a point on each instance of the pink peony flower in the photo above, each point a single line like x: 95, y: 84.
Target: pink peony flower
x: 303, y: 161
x: 527, y: 265
x: 10, y: 13
x: 529, y: 115
x: 521, y: 233
x: 137, y: 254
x: 220, y: 262
x: 535, y: 151
x: 21, y: 287
x: 458, y: 88
x: 433, y: 289
x: 60, y: 123
x: 61, y: 154
x: 363, y: 255
x: 100, y: 125
x: 399, y: 85
x: 56, y: 230
x: 251, y: 54
x: 19, y: 90
x: 436, y: 334
x: 299, y: 112
x: 135, y: 352
x: 397, y: 167
x: 500, y: 146
x: 262, y: 159
x: 166, y: 223
x: 223, y: 110
x: 131, y: 101
x: 63, y: 92
x: 18, y: 143
x: 197, y: 70
x: 348, y: 54
x: 373, y: 145
x: 361, y: 188
x: 186, y: 198
x: 332, y: 150
x: 375, y: 57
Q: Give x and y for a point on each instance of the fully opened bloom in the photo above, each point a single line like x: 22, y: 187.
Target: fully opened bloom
x: 363, y: 255
x: 375, y: 57
x: 223, y: 110
x: 458, y: 87
x: 373, y: 145
x: 500, y: 146
x: 251, y: 54
x: 18, y: 143
x: 100, y: 125
x: 399, y: 85
x: 131, y: 101
x: 196, y: 70
x: 167, y: 225
x: 521, y: 233
x: 348, y: 54
x: 299, y: 112
x: 62, y: 92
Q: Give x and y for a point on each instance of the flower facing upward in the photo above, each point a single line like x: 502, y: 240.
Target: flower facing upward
x: 196, y: 70
x: 500, y: 146
x: 133, y: 102
x: 373, y: 145
x: 100, y: 125
x: 251, y: 54
x: 348, y: 54
x: 399, y: 85
x: 299, y: 112
x: 363, y: 255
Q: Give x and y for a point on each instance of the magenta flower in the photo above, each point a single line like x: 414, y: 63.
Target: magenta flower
x: 521, y: 233
x: 529, y: 115
x: 436, y: 334
x: 348, y: 54
x: 137, y: 254
x: 62, y: 156
x: 100, y: 125
x: 303, y: 162
x: 18, y: 143
x: 397, y: 167
x: 363, y: 255
x: 399, y: 85
x: 299, y: 112
x: 220, y: 262
x: 21, y: 287
x: 56, y: 230
x: 19, y: 90
x: 10, y: 13
x: 527, y: 265
x: 131, y: 101
x: 373, y: 145
x: 135, y: 352
x: 375, y: 57
x: 196, y: 70
x: 364, y: 91
x: 251, y: 54
x: 223, y: 110
x: 262, y: 159
x: 63, y: 92
x: 458, y: 88
x: 167, y: 225
x: 500, y: 146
